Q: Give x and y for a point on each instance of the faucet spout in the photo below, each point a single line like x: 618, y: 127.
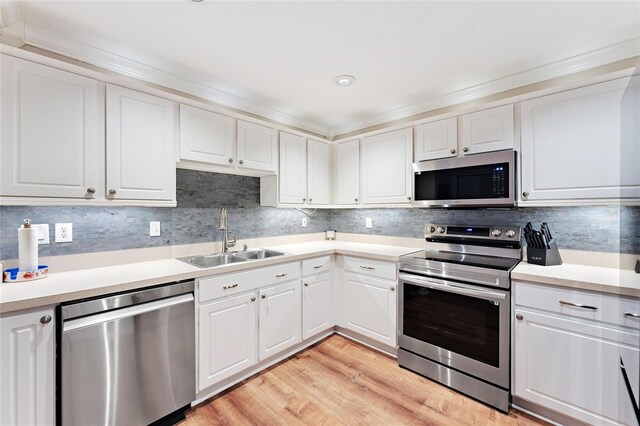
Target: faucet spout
x: 223, y: 227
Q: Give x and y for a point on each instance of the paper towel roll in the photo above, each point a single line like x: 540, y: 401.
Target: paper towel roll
x: 27, y: 249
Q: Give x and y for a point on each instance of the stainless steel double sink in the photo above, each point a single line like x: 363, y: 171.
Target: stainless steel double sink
x: 220, y: 259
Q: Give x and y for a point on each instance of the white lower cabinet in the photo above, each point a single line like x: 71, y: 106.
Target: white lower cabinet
x: 370, y: 307
x: 316, y: 304
x: 227, y: 338
x: 571, y: 365
x: 27, y: 369
x: 280, y: 319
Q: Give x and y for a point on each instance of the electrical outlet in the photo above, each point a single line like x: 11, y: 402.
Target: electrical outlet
x: 43, y: 232
x: 154, y: 229
x: 64, y: 232
x: 369, y: 222
x: 304, y: 222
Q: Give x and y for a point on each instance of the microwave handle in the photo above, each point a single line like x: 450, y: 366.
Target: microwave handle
x: 442, y: 285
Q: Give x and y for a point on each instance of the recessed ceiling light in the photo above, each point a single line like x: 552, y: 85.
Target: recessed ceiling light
x: 345, y: 80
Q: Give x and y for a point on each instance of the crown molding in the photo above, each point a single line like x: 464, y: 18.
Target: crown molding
x: 613, y: 53
x: 138, y: 70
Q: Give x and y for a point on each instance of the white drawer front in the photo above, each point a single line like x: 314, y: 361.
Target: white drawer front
x: 230, y: 284
x: 608, y: 308
x: 316, y: 266
x: 373, y: 268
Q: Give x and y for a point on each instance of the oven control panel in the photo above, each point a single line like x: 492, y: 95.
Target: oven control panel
x: 502, y: 233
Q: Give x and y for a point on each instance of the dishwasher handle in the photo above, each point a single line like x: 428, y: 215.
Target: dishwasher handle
x: 131, y: 311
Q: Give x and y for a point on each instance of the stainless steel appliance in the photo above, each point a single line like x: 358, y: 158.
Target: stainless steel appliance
x: 479, y: 180
x: 127, y: 359
x: 453, y: 318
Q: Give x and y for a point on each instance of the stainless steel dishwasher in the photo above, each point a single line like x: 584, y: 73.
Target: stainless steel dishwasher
x: 127, y: 359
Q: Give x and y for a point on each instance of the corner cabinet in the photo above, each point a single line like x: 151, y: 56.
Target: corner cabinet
x: 207, y: 137
x: 438, y: 139
x: 488, y: 130
x: 51, y: 140
x: 257, y: 147
x: 140, y: 146
x: 582, y: 143
x: 386, y: 167
x: 346, y: 186
x: 27, y: 368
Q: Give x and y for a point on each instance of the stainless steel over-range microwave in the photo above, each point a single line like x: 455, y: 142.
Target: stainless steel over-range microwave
x: 480, y: 180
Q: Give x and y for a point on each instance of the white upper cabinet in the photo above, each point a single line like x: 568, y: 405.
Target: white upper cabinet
x: 346, y: 187
x: 488, y: 130
x: 386, y: 167
x: 206, y: 136
x: 318, y: 172
x: 50, y: 145
x: 140, y: 146
x: 257, y: 147
x: 582, y: 143
x: 438, y: 139
x: 293, y: 169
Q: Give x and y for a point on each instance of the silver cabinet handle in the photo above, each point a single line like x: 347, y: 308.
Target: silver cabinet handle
x: 519, y: 317
x: 264, y: 296
x: 453, y: 151
x: 356, y: 200
x: 631, y: 315
x: 253, y: 299
x: 45, y: 319
x: 318, y: 266
x: 112, y: 192
x: 304, y: 199
x: 578, y: 305
x: 230, y: 160
x: 392, y: 288
x: 226, y: 287
x: 409, y: 198
x: 525, y: 194
x: 91, y: 190
x: 368, y: 268
x: 306, y: 284
x: 284, y: 274
x: 465, y: 149
x: 241, y: 161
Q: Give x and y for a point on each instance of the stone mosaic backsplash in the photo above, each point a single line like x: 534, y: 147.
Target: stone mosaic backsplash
x: 200, y: 196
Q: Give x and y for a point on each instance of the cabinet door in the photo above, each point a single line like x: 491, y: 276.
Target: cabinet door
x: 386, y: 167
x: 257, y: 147
x: 488, y: 130
x: 438, y: 139
x: 140, y: 146
x: 318, y: 172
x: 574, y: 368
x: 316, y: 305
x: 280, y: 318
x: 293, y: 169
x: 27, y: 369
x: 50, y: 143
x: 370, y: 307
x: 206, y: 136
x: 227, y: 338
x: 582, y: 143
x: 347, y: 173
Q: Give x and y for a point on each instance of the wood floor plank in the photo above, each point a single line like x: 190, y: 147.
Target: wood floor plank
x: 340, y: 382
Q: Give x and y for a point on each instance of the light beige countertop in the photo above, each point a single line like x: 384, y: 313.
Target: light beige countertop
x: 623, y: 282
x: 79, y: 284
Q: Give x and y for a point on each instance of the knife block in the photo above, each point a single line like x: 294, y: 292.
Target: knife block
x: 544, y: 257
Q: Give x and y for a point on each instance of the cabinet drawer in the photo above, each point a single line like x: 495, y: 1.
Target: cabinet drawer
x: 230, y: 284
x: 610, y: 309
x: 374, y: 268
x: 316, y: 266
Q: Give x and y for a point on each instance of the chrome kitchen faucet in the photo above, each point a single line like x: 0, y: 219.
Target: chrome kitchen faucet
x: 223, y: 227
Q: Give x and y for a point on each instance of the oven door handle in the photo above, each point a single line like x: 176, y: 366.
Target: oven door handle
x: 450, y: 288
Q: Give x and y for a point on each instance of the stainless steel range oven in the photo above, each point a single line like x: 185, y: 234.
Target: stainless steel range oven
x: 455, y: 301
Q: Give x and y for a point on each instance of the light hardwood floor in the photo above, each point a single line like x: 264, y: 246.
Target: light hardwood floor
x: 338, y: 382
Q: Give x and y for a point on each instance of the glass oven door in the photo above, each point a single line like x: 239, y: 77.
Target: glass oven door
x: 463, y: 326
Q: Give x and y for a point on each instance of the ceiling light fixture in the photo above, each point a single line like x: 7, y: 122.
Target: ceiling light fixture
x: 345, y: 80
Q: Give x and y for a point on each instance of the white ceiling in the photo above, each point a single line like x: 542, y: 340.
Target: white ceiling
x: 279, y: 59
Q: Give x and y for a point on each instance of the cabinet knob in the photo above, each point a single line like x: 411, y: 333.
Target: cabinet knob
x: 519, y: 317
x: 112, y: 192
x: 392, y: 288
x: 304, y: 199
x: 409, y: 198
x: 465, y: 149
x: 356, y: 200
x: 310, y: 199
x: 230, y: 160
x: 264, y: 296
x: 91, y: 190
x: 525, y: 194
x: 453, y: 151
x: 306, y: 284
x: 45, y: 319
x: 253, y: 299
x: 241, y: 161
